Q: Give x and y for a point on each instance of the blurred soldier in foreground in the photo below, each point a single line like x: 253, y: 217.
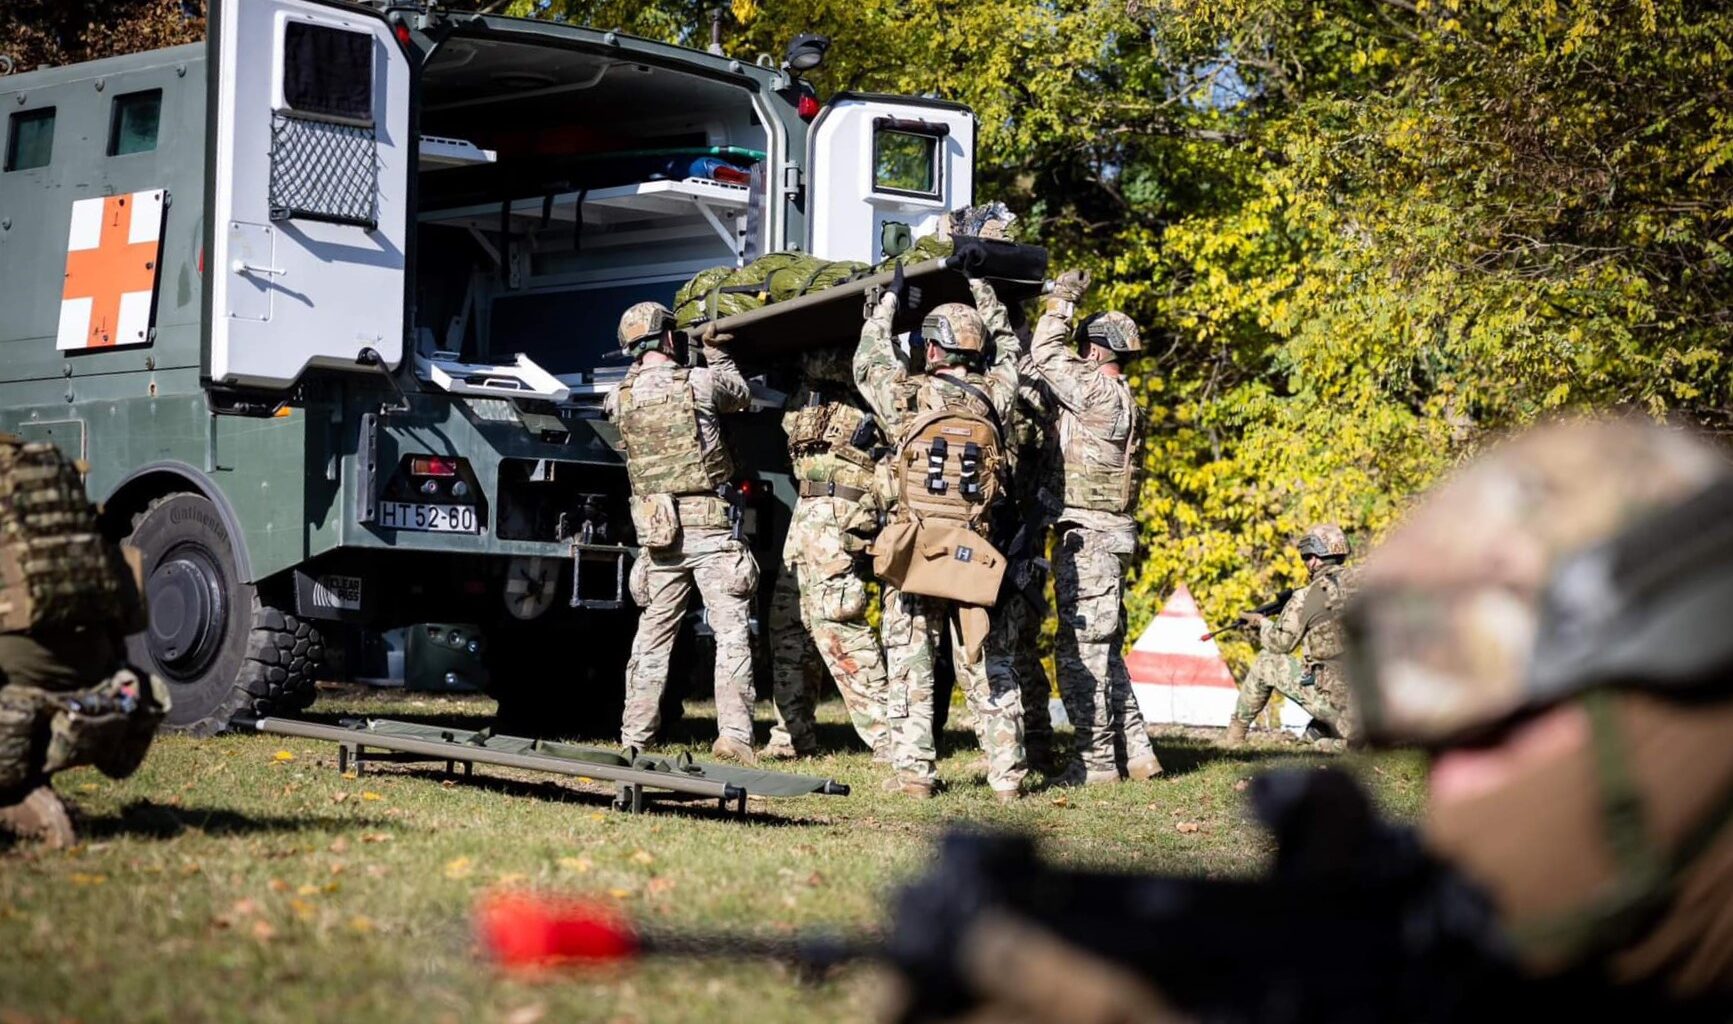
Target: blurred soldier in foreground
x: 1311, y: 624
x: 679, y: 467
x: 67, y: 602
x: 1099, y: 463
x: 830, y: 442
x: 946, y: 476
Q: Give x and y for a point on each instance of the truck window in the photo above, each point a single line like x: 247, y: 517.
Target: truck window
x: 134, y: 124
x: 328, y: 72
x: 30, y: 139
x: 905, y: 163
x: 324, y: 159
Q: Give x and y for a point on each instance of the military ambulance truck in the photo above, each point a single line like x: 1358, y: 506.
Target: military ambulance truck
x: 327, y: 304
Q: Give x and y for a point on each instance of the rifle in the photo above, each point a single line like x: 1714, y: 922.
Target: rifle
x: 1270, y: 607
x: 1355, y: 922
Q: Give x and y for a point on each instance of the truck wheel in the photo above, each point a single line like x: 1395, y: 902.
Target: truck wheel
x: 562, y: 675
x: 222, y: 650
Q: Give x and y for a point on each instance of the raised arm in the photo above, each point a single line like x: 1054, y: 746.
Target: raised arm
x: 729, y: 391
x: 1002, y: 375
x: 877, y: 370
x: 1069, y: 377
x: 1284, y: 632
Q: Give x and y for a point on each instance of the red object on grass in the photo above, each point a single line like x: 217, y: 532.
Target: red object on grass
x: 529, y: 930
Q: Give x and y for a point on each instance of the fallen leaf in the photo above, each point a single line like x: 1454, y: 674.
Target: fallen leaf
x: 263, y: 931
x: 376, y: 837
x: 339, y: 845
x: 87, y: 787
x: 277, y: 885
x: 351, y: 774
x: 814, y: 880
x: 307, y: 890
x: 301, y: 909
x: 643, y: 857
x: 527, y: 1014
x: 458, y: 868
x: 244, y: 908
x: 510, y: 878
x: 361, y: 924
x: 1242, y: 785
x: 338, y: 798
x: 1186, y: 826
x: 448, y: 783
x: 81, y: 878
x: 659, y: 885
x: 283, y: 755
x: 1061, y: 801
x: 576, y: 865
x: 370, y: 795
x: 338, y: 867
x: 598, y: 816
x: 619, y: 893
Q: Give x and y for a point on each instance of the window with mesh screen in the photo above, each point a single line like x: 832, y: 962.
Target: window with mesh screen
x: 134, y: 125
x: 905, y: 163
x: 30, y: 139
x: 324, y: 157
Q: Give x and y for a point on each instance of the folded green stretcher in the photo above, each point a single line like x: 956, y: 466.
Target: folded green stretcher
x: 639, y: 778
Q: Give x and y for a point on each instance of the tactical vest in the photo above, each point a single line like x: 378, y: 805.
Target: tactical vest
x: 1101, y: 475
x: 949, y: 460
x: 55, y: 567
x: 665, y: 452
x: 829, y: 428
x: 1326, y: 639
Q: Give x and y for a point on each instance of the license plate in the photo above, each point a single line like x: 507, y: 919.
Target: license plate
x: 410, y: 515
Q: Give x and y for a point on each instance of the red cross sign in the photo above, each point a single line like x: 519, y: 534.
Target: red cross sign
x: 113, y: 252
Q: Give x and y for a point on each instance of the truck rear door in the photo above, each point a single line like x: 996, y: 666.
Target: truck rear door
x: 310, y: 162
x: 881, y: 170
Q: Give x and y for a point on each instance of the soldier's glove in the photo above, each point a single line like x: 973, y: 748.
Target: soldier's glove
x: 908, y: 295
x: 1071, y: 285
x: 710, y: 337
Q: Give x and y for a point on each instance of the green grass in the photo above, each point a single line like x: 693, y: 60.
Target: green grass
x: 242, y: 878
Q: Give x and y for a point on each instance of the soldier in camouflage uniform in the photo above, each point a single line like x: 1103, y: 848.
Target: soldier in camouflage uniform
x: 1096, y: 475
x: 830, y: 442
x: 1310, y: 623
x: 913, y: 626
x: 794, y: 673
x: 67, y: 602
x: 677, y: 461
x: 1014, y: 645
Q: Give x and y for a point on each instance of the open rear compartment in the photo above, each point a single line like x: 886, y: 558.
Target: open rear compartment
x: 557, y: 186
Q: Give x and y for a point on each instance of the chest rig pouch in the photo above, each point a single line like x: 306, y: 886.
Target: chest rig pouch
x: 665, y: 450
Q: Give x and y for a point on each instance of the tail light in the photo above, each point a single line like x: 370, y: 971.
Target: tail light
x: 807, y: 106
x: 432, y: 465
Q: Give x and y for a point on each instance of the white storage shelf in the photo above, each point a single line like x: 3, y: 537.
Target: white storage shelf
x: 692, y: 197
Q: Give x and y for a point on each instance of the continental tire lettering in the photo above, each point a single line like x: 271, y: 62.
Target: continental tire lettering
x: 203, y: 518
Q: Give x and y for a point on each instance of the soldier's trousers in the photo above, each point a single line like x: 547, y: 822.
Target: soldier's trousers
x: 725, y: 576
x: 913, y: 628
x: 821, y: 601
x: 1270, y: 671
x: 1088, y: 579
x: 1014, y: 659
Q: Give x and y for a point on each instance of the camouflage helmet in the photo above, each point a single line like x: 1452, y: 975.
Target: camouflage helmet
x: 955, y: 327
x: 1325, y: 540
x: 641, y: 327
x: 1583, y: 554
x: 1113, y: 331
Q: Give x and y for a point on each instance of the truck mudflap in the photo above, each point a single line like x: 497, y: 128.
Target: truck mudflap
x: 639, y: 777
x: 833, y: 316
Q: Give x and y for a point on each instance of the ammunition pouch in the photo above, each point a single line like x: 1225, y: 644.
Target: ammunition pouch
x: 656, y: 520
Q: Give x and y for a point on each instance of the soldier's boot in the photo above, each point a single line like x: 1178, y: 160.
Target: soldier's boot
x: 915, y: 789
x: 1007, y: 796
x: 782, y: 749
x: 730, y: 749
x: 1236, y: 733
x: 40, y: 817
x: 1146, y: 767
x: 1076, y: 774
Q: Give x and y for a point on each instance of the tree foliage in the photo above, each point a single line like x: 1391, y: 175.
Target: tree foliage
x: 1362, y: 235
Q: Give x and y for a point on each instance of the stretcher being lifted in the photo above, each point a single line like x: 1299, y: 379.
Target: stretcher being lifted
x: 639, y: 778
x: 832, y: 316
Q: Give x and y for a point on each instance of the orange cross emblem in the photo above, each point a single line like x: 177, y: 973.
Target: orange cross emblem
x: 113, y: 252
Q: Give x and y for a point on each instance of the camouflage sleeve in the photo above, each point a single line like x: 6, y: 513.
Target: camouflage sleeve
x: 1070, y: 377
x: 724, y: 387
x: 611, y: 404
x: 1283, y: 633
x: 1002, y: 375
x: 877, y: 370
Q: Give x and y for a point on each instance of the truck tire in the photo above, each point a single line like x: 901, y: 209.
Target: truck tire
x: 222, y: 649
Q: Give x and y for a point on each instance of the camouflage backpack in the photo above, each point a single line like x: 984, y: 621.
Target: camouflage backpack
x: 55, y: 568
